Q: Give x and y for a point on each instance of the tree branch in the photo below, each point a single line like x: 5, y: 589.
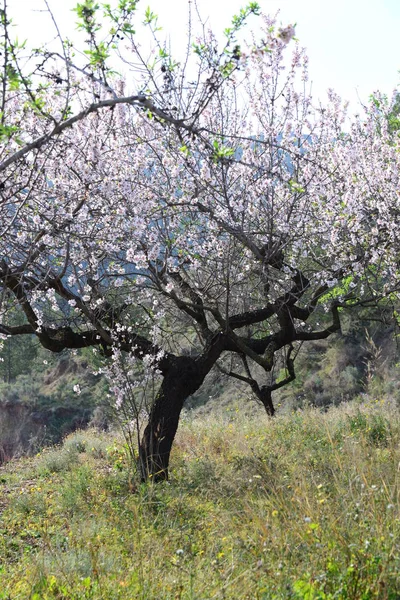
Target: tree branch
x: 139, y: 101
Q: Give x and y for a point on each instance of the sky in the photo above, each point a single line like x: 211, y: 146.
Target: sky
x: 353, y: 45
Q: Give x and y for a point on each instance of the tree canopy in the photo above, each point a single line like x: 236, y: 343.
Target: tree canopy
x: 214, y: 216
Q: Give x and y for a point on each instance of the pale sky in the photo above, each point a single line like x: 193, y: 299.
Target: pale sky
x: 353, y: 45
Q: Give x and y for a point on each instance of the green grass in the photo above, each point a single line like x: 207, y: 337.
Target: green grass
x: 305, y: 506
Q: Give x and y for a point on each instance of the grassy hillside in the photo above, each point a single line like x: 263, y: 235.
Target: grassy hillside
x: 306, y: 506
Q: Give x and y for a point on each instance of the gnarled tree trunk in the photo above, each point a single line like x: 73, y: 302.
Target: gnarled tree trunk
x: 183, y: 378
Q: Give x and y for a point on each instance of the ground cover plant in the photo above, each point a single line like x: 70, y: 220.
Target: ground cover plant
x: 305, y: 506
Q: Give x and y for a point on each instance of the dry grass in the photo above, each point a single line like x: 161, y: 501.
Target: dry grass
x: 305, y: 506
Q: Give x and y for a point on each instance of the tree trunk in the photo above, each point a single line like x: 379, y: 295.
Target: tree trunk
x: 183, y: 378
x: 266, y: 398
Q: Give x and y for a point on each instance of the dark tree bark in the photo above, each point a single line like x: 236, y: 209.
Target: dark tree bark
x: 266, y: 398
x: 184, y: 377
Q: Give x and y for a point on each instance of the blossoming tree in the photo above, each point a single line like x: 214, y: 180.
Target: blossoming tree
x: 221, y: 220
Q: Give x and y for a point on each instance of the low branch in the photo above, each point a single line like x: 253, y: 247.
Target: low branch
x: 16, y: 329
x: 291, y: 373
x: 321, y: 335
x: 251, y: 317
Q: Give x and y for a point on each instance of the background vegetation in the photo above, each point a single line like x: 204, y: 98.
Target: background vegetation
x: 38, y: 405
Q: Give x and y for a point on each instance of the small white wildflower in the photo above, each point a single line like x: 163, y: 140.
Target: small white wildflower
x: 286, y: 33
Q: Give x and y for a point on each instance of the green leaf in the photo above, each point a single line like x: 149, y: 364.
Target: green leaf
x: 185, y: 150
x: 296, y: 187
x: 8, y: 131
x: 150, y: 17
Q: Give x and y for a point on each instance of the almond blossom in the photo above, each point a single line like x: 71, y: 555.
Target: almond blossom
x: 173, y: 245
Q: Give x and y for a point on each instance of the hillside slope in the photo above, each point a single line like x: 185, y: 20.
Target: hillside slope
x: 302, y: 507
